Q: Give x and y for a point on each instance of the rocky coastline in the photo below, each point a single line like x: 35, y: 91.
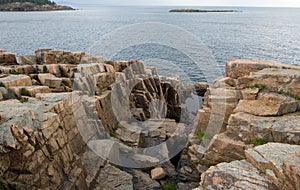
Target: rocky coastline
x: 257, y: 145
x: 27, y: 6
x: 202, y: 11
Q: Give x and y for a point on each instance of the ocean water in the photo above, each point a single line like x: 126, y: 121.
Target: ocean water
x: 261, y: 33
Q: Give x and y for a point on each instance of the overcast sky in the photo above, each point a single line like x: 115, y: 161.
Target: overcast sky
x: 272, y: 3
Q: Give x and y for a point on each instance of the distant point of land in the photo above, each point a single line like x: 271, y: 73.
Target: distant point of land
x: 31, y: 5
x: 202, y: 11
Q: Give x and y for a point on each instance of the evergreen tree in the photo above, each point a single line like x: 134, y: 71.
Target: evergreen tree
x: 38, y: 2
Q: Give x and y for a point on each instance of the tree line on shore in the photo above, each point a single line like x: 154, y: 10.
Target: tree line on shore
x: 38, y: 2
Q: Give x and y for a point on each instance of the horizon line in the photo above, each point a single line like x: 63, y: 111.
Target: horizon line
x: 179, y: 5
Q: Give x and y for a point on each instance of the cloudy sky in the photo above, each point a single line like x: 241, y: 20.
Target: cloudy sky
x: 272, y: 3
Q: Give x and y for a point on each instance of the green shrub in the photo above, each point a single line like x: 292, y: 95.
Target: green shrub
x: 259, y: 86
x: 25, y: 92
x: 16, y: 72
x: 169, y: 186
x: 202, y: 135
x: 22, y: 100
x: 2, y: 85
x: 259, y: 142
x: 112, y: 134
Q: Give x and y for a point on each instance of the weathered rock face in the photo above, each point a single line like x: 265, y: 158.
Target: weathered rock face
x: 43, y: 147
x: 235, y: 175
x: 249, y: 128
x: 259, y: 106
x: 29, y: 90
x: 236, y: 68
x: 224, y: 148
x: 270, y: 166
x: 143, y: 181
x: 7, y: 59
x: 15, y: 80
x: 27, y: 60
x: 37, y: 143
x: 111, y: 177
x: 50, y: 56
x: 41, y: 132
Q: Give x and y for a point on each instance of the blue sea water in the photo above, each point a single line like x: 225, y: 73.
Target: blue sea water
x: 261, y: 33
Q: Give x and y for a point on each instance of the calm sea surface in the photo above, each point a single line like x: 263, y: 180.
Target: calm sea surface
x: 262, y: 33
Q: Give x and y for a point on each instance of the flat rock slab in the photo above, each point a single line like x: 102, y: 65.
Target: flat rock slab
x: 224, y: 148
x: 50, y: 80
x: 30, y: 90
x: 236, y: 68
x: 283, y: 129
x: 16, y: 80
x: 269, y: 104
x: 286, y: 81
x: 271, y: 158
x: 235, y: 175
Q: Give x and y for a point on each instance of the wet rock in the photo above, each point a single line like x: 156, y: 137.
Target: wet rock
x: 199, y: 87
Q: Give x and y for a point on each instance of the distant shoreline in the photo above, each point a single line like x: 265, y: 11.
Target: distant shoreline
x: 202, y: 11
x: 31, y: 7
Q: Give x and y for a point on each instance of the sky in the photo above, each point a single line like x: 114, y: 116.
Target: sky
x: 255, y: 3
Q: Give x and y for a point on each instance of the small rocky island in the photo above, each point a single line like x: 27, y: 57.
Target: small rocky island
x: 247, y: 132
x: 31, y: 5
x: 202, y: 11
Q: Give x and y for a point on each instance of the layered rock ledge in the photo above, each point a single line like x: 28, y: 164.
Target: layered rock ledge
x: 247, y: 134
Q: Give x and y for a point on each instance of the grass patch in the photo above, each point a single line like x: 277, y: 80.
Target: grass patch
x: 259, y: 142
x: 116, y: 126
x: 290, y: 95
x: 169, y: 186
x: 25, y: 92
x: 259, y: 86
x: 2, y: 85
x: 16, y: 72
x: 113, y: 134
x: 22, y: 100
x: 201, y: 135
